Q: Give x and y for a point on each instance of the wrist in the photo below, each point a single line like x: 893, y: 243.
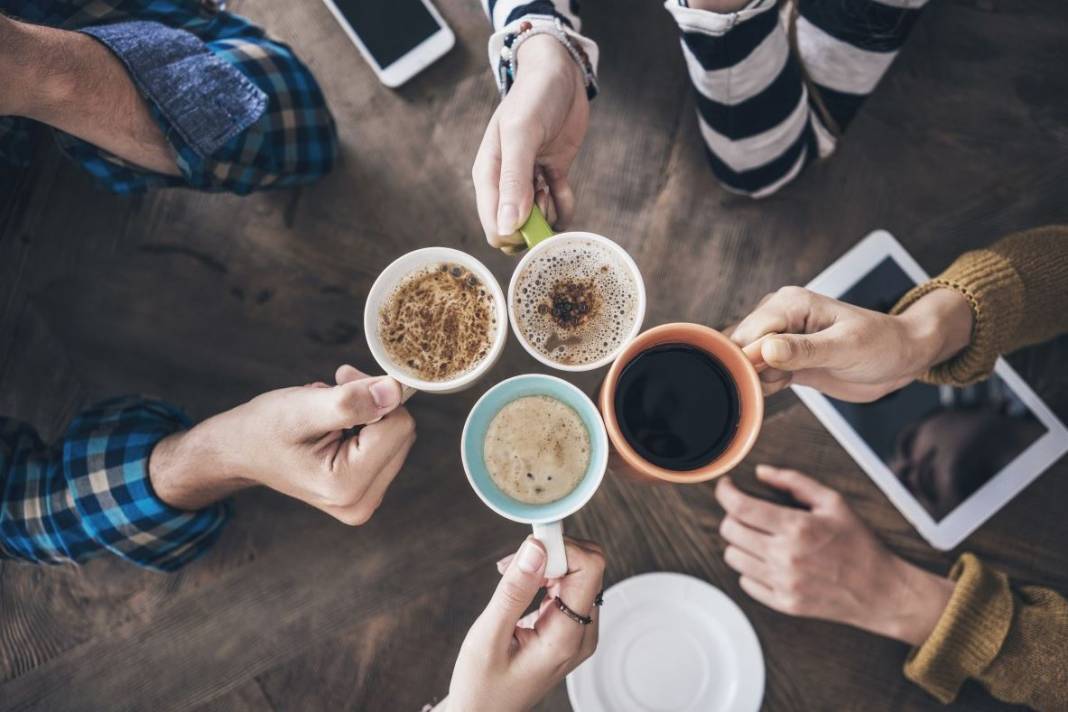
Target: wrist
x: 937, y: 326
x: 917, y: 600
x: 549, y: 55
x: 187, y: 471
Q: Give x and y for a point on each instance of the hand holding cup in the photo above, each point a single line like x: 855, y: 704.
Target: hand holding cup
x: 297, y: 441
x: 510, y: 661
x: 850, y: 353
x: 537, y: 129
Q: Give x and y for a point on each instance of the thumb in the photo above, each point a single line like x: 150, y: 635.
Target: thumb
x: 516, y: 189
x: 354, y: 403
x: 794, y: 352
x: 347, y: 372
x: 515, y: 592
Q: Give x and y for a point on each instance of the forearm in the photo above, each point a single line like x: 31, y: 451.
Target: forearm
x: 74, y: 83
x: 939, y: 325
x: 188, y: 470
x: 914, y: 601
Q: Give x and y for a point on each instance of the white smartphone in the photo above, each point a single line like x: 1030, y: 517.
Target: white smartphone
x: 398, y: 38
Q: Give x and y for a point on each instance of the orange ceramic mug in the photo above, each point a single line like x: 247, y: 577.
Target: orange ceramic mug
x: 750, y: 402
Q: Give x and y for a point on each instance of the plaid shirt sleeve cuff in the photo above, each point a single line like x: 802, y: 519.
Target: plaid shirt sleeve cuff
x: 93, y: 493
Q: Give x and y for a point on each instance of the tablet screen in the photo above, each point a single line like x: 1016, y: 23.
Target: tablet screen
x: 942, y: 443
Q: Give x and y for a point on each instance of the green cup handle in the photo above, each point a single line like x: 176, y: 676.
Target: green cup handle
x: 536, y: 229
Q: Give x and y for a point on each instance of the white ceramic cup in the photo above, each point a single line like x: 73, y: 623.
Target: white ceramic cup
x: 544, y: 240
x: 384, y: 287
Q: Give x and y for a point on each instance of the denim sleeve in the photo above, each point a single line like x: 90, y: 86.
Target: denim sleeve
x: 241, y: 111
x: 204, y: 101
x: 91, y: 492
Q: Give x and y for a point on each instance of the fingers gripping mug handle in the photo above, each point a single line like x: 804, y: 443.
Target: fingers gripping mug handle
x: 753, y: 353
x: 536, y: 228
x: 406, y: 393
x: 551, y: 536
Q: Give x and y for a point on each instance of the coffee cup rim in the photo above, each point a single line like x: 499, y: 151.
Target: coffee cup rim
x: 750, y: 395
x: 628, y: 262
x: 387, y: 281
x: 599, y: 446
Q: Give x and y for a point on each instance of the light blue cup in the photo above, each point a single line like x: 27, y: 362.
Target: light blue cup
x: 547, y: 519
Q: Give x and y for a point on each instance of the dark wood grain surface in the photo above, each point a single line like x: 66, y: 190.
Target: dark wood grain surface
x: 208, y: 300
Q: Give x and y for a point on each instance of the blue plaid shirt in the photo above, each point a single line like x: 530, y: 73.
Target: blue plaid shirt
x: 240, y: 109
x: 91, y: 492
x: 242, y: 113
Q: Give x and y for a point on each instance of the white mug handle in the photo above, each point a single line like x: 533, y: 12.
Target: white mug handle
x: 551, y: 536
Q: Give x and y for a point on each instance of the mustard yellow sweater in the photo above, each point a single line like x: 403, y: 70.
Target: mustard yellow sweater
x: 1012, y: 639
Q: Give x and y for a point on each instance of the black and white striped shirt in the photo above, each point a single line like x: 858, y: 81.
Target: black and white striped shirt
x: 768, y: 106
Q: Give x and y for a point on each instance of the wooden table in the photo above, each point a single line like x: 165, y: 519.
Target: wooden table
x: 208, y: 300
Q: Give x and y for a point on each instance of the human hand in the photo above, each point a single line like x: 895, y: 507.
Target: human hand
x: 823, y: 562
x: 295, y: 441
x: 845, y: 351
x: 537, y: 129
x: 508, y: 661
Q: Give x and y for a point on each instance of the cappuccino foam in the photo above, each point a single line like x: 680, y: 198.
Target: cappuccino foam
x: 536, y: 449
x: 576, y: 303
x: 438, y: 323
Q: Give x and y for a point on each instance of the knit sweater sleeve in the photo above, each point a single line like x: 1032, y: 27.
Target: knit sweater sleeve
x: 1012, y: 640
x: 1018, y: 291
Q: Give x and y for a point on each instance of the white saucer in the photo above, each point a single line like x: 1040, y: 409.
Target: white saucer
x: 670, y: 643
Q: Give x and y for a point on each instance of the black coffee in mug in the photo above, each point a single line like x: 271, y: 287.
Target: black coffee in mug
x: 677, y: 406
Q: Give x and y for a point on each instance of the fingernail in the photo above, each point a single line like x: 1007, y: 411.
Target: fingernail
x: 530, y: 558
x: 777, y: 350
x: 507, y: 219
x: 384, y: 393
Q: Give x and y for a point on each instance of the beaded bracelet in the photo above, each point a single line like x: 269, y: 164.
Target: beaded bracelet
x: 513, y: 40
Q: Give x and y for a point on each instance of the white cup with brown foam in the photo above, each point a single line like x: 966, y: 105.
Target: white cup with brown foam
x: 436, y: 320
x: 576, y: 299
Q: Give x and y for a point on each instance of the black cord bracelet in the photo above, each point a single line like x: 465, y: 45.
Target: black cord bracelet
x: 584, y: 620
